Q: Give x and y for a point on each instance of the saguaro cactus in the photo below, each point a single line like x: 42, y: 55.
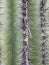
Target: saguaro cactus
x: 44, y: 9
x: 35, y: 41
x: 25, y: 33
x: 11, y: 32
x: 43, y: 20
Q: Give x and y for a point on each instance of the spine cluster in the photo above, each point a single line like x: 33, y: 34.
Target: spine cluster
x: 43, y: 20
x: 25, y: 33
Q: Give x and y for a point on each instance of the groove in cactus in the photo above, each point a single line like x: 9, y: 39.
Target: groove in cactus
x: 25, y: 34
x: 47, y: 31
x: 43, y: 20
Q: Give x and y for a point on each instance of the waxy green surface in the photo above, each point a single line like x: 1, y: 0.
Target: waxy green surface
x: 11, y: 32
x: 35, y: 41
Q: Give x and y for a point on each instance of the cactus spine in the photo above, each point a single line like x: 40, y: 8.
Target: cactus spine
x: 43, y: 20
x: 25, y: 33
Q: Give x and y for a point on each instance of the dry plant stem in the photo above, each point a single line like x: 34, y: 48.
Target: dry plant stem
x: 43, y: 20
x: 25, y: 33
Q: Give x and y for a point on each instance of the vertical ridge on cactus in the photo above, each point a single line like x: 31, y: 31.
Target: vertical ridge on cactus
x: 17, y: 58
x: 34, y: 23
x: 11, y: 33
x: 5, y: 35
x: 24, y: 32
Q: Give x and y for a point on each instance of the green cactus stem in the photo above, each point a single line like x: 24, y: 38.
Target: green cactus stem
x: 34, y: 24
x: 11, y: 32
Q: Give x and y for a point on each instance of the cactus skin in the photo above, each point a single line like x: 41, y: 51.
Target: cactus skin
x: 5, y: 37
x: 35, y: 41
x: 18, y: 40
x: 11, y: 34
x: 14, y: 33
x: 25, y: 34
